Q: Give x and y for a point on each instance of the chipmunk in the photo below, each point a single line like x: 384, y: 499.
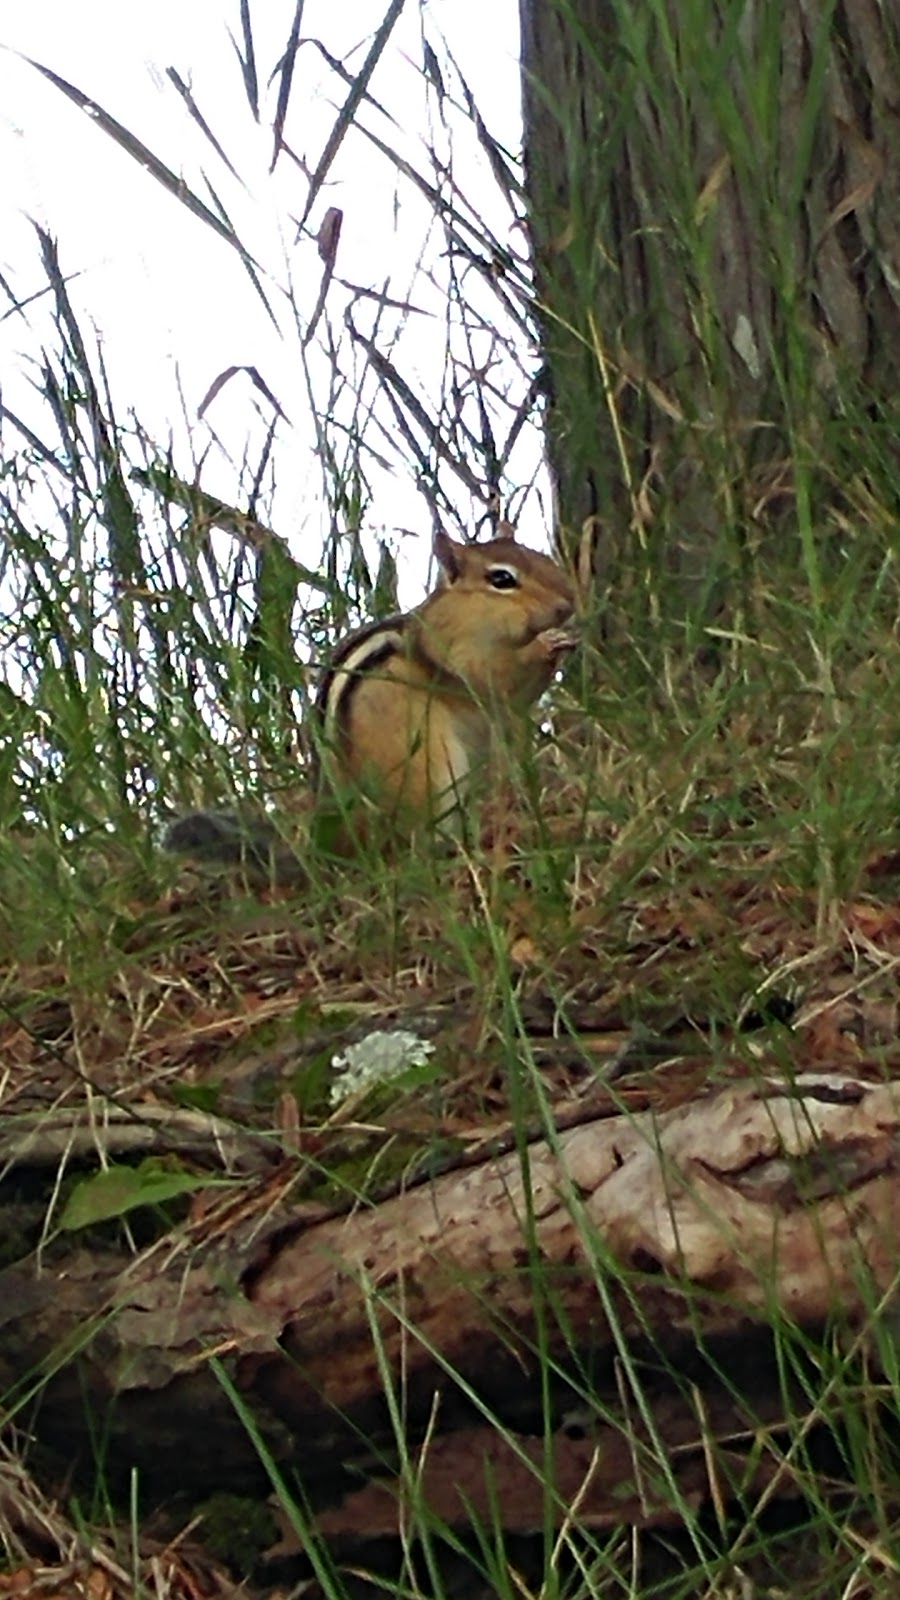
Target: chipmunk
x: 408, y: 707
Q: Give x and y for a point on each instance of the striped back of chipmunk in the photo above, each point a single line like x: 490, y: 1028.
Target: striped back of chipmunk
x: 365, y: 650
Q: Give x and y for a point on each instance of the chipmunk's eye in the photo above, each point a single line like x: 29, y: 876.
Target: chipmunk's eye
x: 502, y: 578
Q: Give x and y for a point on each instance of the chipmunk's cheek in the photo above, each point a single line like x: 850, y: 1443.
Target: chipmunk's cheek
x: 548, y: 624
x: 525, y: 633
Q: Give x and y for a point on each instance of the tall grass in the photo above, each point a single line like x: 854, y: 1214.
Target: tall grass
x: 159, y: 644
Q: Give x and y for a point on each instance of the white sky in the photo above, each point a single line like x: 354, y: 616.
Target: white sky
x: 172, y: 304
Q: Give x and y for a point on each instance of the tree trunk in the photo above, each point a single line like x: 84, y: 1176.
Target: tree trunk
x: 714, y: 195
x: 677, y: 1234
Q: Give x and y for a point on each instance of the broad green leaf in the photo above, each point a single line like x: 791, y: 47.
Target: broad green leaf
x: 121, y: 1189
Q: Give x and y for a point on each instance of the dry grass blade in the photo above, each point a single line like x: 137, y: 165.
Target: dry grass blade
x: 248, y: 61
x: 470, y: 235
x: 19, y: 305
x: 524, y: 412
x: 340, y: 71
x: 44, y: 451
x: 176, y: 79
x: 285, y: 70
x: 143, y: 156
x: 399, y: 392
x: 384, y: 302
x: 249, y: 263
x: 351, y: 105
x: 256, y: 378
x: 265, y: 456
x: 502, y: 169
x: 432, y: 70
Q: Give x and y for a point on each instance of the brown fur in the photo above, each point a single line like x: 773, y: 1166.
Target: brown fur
x: 410, y: 707
x: 414, y: 721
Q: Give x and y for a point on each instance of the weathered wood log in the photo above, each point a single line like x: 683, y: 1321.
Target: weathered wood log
x: 763, y: 1198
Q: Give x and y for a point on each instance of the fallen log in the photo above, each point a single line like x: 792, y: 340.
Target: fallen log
x: 762, y: 1199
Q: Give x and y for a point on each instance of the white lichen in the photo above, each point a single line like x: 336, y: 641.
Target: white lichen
x: 375, y: 1060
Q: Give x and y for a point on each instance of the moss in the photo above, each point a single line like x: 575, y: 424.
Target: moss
x: 237, y: 1530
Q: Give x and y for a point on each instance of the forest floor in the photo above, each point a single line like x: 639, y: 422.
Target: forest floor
x: 640, y: 921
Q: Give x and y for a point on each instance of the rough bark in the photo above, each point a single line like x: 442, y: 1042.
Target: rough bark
x: 731, y: 302
x: 663, y: 1232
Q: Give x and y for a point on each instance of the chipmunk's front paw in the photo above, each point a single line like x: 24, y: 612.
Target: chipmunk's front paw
x: 556, y: 642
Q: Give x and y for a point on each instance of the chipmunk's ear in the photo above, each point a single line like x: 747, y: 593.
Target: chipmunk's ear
x: 448, y: 555
x: 505, y: 530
